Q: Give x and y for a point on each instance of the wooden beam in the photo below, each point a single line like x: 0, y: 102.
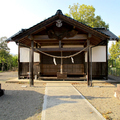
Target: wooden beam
x: 45, y: 37
x: 63, y: 41
x: 59, y: 49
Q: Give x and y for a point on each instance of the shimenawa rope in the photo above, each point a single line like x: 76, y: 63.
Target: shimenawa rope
x: 62, y: 56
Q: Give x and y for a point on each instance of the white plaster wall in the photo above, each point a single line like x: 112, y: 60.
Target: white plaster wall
x: 24, y: 55
x: 36, y: 57
x: 98, y: 54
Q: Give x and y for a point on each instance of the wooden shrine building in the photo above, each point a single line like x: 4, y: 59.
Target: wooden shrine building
x: 62, y: 47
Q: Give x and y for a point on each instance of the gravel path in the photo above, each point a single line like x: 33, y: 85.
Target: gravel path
x: 20, y: 102
x: 8, y: 75
x: 101, y: 96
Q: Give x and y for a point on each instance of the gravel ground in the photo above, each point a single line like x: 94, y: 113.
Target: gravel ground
x: 8, y: 75
x: 20, y: 102
x: 101, y: 96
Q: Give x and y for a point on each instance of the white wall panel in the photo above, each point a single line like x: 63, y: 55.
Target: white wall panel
x: 98, y: 54
x: 36, y: 57
x: 24, y: 55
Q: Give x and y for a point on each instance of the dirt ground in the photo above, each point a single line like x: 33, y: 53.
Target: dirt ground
x: 8, y: 75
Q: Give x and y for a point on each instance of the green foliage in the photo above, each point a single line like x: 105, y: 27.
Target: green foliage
x: 3, y: 44
x: 118, y: 62
x: 6, y: 57
x: 15, y: 61
x: 111, y: 63
x: 114, y: 50
x: 86, y: 14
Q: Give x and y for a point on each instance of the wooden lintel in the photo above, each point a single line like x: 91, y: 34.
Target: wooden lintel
x: 45, y: 37
x: 59, y: 49
x: 56, y: 41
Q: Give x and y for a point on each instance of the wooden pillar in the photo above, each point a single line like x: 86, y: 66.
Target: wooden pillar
x: 88, y: 64
x: 18, y: 60
x: 31, y: 64
x: 31, y: 61
x: 40, y: 64
x: 61, y: 67
x: 29, y: 74
x: 107, y: 60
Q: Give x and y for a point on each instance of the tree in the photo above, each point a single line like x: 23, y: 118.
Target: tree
x: 15, y: 60
x: 114, y: 50
x: 86, y: 14
x: 4, y: 57
x: 3, y: 44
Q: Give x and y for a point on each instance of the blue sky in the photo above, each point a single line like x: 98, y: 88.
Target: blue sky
x: 18, y: 14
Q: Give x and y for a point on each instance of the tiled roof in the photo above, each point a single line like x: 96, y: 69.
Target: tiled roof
x: 59, y: 12
x: 107, y: 32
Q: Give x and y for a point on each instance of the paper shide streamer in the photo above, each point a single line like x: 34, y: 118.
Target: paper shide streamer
x: 54, y: 61
x: 72, y: 59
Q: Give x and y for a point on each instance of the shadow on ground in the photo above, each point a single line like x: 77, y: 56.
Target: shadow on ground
x: 20, y: 105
